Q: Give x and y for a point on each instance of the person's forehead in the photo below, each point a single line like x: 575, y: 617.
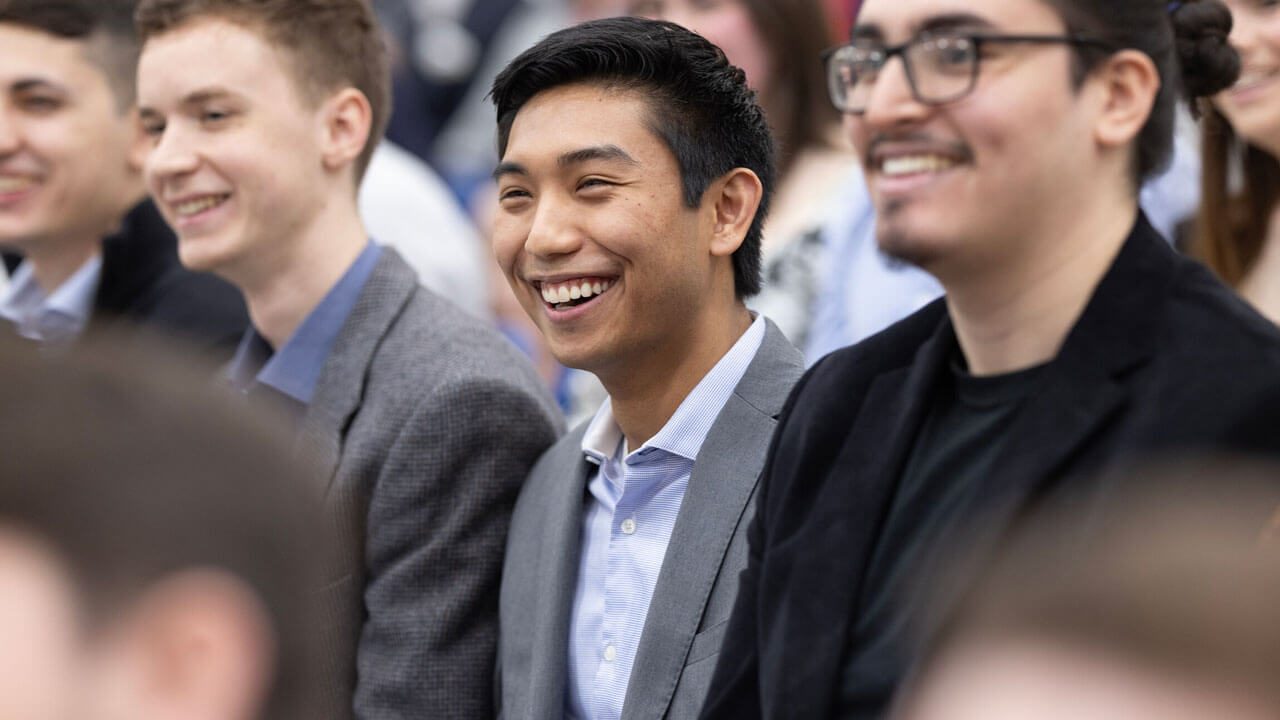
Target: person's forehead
x: 566, y: 117
x: 34, y: 54
x: 900, y: 19
x: 209, y: 49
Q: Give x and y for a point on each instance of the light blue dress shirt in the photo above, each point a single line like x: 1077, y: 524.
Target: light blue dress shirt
x: 294, y: 369
x: 629, y: 520
x: 56, y: 318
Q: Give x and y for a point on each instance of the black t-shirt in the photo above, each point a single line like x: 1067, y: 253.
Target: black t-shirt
x: 958, y: 445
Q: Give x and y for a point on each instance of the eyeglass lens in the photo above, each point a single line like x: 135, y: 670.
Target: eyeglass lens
x: 939, y: 69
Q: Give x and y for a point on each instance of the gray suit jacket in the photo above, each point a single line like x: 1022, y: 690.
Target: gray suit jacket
x: 425, y: 424
x: 699, y: 578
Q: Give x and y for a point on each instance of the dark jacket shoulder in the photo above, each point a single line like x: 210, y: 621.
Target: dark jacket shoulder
x: 144, y: 283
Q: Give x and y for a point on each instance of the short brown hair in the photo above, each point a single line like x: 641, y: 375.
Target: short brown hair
x: 334, y: 44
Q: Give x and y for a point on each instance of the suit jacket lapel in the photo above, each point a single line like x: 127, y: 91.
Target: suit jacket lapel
x: 848, y: 521
x: 557, y: 578
x: 720, y: 488
x: 341, y: 385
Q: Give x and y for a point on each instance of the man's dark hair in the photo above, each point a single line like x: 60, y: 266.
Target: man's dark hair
x: 1187, y: 41
x: 130, y: 469
x: 105, y: 26
x: 700, y: 105
x: 333, y: 44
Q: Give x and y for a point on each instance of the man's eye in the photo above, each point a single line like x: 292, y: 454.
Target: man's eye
x: 512, y: 194
x: 593, y: 182
x: 213, y: 117
x: 153, y: 129
x: 41, y: 103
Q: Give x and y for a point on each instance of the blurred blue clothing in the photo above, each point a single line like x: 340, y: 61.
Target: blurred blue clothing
x: 55, y: 318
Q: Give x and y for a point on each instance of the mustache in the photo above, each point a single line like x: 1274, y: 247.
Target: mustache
x: 948, y: 148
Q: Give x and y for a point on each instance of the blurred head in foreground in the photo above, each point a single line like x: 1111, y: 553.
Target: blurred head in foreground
x: 1164, y: 607
x: 157, y: 549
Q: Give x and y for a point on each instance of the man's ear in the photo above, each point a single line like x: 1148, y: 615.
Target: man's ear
x: 1128, y: 82
x: 735, y: 199
x: 347, y: 120
x: 201, y: 647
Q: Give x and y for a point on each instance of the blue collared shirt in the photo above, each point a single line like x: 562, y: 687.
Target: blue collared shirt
x: 295, y: 368
x: 56, y: 318
x: 629, y: 520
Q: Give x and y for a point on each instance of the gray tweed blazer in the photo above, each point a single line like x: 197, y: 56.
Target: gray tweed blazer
x: 424, y: 423
x: 699, y: 578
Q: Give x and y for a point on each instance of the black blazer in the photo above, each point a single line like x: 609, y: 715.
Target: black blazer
x: 144, y: 287
x: 1163, y: 357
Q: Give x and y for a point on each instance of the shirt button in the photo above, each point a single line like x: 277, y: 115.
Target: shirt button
x: 610, y: 653
x: 628, y: 526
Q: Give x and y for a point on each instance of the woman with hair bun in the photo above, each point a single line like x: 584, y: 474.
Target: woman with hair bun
x: 1238, y: 228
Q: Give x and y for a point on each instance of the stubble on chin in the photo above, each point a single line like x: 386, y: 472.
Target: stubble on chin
x: 897, y: 242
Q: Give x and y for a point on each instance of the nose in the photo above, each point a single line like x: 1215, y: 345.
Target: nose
x: 554, y: 230
x: 9, y: 140
x: 172, y: 155
x: 1244, y: 33
x: 891, y: 101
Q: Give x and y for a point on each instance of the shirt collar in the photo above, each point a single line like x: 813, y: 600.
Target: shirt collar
x: 295, y: 368
x: 57, y: 317
x: 685, y: 431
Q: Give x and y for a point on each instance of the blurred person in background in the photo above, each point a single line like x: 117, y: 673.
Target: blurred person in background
x: 160, y: 557
x: 779, y: 44
x: 1159, y: 604
x: 90, y: 247
x: 263, y: 115
x: 1004, y: 144
x: 1237, y: 228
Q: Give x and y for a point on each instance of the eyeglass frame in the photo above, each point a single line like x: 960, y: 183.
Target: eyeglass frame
x: 977, y: 39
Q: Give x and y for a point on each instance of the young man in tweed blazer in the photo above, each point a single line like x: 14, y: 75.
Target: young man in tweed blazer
x: 422, y: 421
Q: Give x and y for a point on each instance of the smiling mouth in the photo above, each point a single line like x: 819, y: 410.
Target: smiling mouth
x: 190, y: 208
x: 12, y: 184
x: 568, y: 294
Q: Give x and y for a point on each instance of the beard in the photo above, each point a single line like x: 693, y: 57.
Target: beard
x: 898, y: 243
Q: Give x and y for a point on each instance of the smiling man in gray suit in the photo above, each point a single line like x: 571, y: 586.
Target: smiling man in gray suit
x: 636, y: 171
x: 263, y: 116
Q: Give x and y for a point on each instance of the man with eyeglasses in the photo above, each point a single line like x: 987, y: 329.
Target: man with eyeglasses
x: 1004, y: 142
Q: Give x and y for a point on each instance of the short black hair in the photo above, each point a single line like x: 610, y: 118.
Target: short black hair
x: 700, y: 105
x: 105, y: 26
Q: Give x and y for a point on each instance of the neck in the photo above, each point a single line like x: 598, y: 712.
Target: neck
x: 54, y: 260
x: 52, y: 263
x: 1016, y: 314
x: 1259, y: 285
x: 290, y: 278
x: 649, y: 389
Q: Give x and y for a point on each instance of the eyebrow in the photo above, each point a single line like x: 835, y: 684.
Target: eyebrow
x: 606, y: 153
x: 937, y: 23
x: 34, y: 83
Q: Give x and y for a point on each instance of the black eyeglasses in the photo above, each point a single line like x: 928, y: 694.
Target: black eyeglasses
x: 940, y: 68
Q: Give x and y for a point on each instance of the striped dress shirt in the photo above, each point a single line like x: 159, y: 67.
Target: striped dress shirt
x: 634, y: 500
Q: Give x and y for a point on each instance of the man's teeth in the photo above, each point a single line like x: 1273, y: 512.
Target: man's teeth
x: 910, y: 164
x: 573, y: 290
x: 9, y: 183
x: 195, y: 207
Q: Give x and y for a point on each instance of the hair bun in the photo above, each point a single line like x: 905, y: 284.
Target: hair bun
x: 1209, y: 63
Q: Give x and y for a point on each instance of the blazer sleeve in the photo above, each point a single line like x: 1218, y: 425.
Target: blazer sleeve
x: 437, y: 525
